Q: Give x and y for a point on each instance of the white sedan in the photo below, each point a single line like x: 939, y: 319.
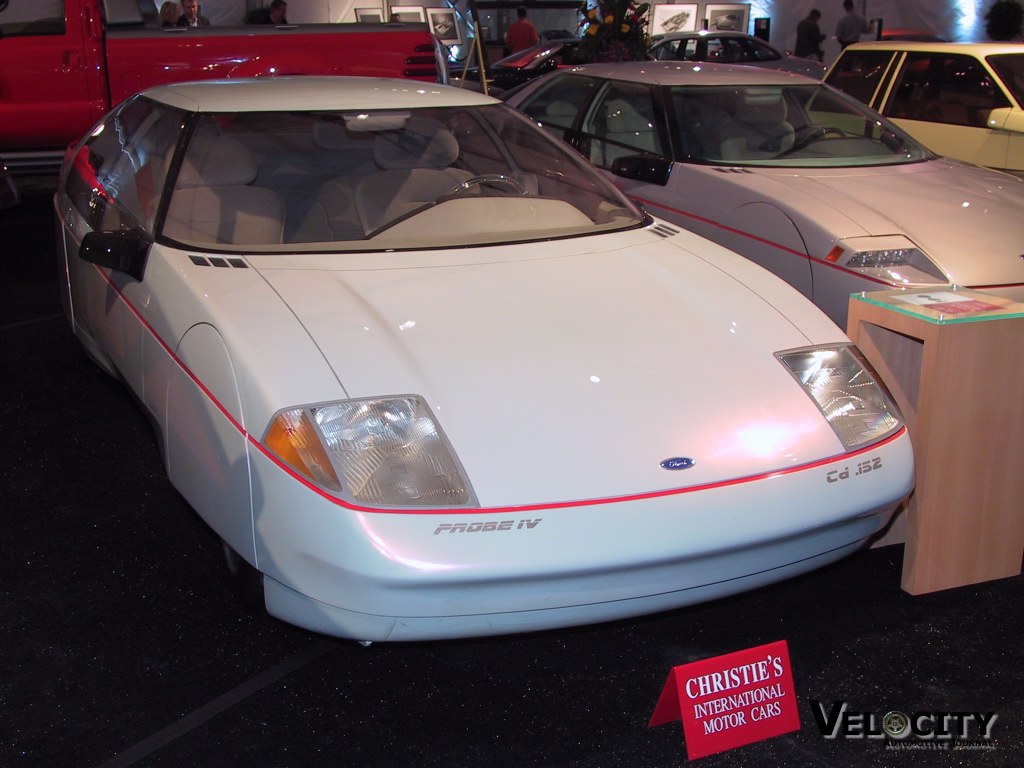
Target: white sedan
x: 428, y: 375
x: 791, y: 173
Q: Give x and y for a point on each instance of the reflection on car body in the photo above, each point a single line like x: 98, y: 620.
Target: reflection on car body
x: 419, y: 365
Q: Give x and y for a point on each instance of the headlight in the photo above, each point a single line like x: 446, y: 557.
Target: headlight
x: 894, y: 260
x: 383, y: 452
x: 847, y: 391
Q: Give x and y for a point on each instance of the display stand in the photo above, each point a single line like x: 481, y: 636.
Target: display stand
x: 954, y: 362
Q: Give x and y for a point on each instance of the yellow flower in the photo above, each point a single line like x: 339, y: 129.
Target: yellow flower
x: 609, y: 19
x: 592, y: 29
x: 625, y: 29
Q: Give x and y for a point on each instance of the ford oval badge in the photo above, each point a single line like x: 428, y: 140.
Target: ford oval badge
x: 677, y: 462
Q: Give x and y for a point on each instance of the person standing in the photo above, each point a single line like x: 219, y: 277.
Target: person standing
x: 170, y: 12
x: 809, y: 37
x: 521, y: 34
x: 851, y: 26
x: 190, y: 15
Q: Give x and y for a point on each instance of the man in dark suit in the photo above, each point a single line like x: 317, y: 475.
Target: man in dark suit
x: 190, y: 15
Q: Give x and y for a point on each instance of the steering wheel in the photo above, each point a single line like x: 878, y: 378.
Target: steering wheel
x: 486, y: 178
x: 818, y: 133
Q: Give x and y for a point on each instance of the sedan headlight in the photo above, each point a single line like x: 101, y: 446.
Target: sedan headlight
x: 894, y: 260
x: 844, y: 387
x: 387, y: 452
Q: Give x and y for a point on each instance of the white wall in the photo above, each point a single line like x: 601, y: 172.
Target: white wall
x: 961, y: 20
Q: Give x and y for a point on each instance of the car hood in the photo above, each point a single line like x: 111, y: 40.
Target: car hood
x: 595, y: 358
x: 957, y: 213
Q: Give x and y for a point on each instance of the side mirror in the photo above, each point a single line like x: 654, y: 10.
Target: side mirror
x: 1005, y: 119
x: 651, y: 169
x: 122, y: 251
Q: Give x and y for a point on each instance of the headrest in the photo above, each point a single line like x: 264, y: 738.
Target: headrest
x: 216, y: 161
x: 623, y: 117
x: 422, y: 143
x: 763, y: 107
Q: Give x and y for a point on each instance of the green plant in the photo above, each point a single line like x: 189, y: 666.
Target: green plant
x: 1004, y: 20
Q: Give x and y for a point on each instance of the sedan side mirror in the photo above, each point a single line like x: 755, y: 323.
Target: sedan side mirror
x: 123, y: 251
x: 1005, y: 119
x: 651, y: 169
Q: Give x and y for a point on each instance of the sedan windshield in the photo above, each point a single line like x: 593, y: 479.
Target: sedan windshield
x: 794, y: 126
x: 422, y: 178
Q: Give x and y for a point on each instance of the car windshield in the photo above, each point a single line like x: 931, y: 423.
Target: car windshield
x: 408, y: 179
x: 1010, y: 67
x: 798, y: 126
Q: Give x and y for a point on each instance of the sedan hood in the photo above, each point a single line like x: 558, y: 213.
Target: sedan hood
x: 594, y: 358
x: 956, y: 213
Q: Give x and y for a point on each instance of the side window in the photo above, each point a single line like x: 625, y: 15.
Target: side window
x: 1010, y: 68
x: 622, y: 122
x: 30, y: 19
x: 733, y: 52
x: 117, y: 175
x: 859, y: 73
x: 954, y: 90
x: 758, y: 51
x: 555, y: 105
x: 667, y: 50
x: 716, y: 51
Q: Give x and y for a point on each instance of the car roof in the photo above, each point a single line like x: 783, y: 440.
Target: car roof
x: 693, y: 73
x: 973, y: 49
x: 308, y: 93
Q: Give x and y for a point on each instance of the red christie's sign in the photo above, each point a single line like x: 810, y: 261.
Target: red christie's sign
x: 731, y: 700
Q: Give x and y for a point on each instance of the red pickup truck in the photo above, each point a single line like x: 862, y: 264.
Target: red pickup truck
x: 65, y: 63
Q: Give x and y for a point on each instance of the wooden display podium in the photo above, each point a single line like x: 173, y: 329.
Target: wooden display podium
x: 954, y: 362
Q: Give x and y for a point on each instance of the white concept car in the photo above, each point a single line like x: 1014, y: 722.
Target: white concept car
x: 429, y: 375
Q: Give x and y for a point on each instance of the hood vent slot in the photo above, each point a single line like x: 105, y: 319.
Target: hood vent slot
x: 217, y: 261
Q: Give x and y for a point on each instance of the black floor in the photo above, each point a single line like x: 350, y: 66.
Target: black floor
x: 123, y: 645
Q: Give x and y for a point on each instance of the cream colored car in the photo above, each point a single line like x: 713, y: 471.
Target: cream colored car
x: 962, y: 100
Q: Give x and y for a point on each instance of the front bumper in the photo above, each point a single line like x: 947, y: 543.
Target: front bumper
x: 377, y: 576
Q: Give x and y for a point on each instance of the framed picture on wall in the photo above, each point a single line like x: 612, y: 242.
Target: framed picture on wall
x: 370, y: 15
x: 674, y: 18
x: 727, y: 18
x: 444, y: 25
x: 407, y: 13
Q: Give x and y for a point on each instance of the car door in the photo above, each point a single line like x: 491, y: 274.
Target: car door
x: 944, y: 100
x: 113, y: 183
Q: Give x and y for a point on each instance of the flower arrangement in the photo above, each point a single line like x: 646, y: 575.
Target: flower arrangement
x: 613, y: 30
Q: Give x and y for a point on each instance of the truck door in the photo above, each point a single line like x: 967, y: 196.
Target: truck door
x: 51, y: 72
